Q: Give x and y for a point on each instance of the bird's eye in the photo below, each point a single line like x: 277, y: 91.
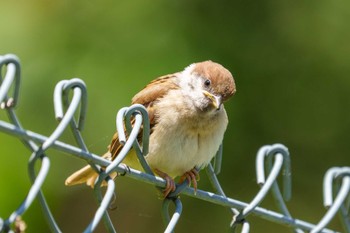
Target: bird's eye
x: 207, y: 82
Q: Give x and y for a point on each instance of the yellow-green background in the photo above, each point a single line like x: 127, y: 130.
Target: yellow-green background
x: 291, y: 64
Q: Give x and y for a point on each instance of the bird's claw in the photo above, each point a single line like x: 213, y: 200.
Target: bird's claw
x: 170, y: 186
x: 192, y: 177
x: 170, y: 183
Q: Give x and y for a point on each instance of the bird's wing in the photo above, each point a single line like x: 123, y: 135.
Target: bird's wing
x: 155, y: 90
x: 147, y: 97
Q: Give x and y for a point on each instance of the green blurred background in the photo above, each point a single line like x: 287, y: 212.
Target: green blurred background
x: 290, y: 60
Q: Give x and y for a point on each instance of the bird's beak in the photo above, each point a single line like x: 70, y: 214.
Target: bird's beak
x: 216, y: 100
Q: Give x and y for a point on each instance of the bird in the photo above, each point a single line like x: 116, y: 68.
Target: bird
x: 187, y: 121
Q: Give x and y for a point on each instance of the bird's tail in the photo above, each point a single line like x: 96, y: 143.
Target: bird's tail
x: 86, y: 175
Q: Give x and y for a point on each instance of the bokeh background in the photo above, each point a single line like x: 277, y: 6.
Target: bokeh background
x: 290, y: 60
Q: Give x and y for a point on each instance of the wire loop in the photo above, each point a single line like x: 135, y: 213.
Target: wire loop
x: 61, y: 93
x: 171, y: 223
x: 338, y: 179
x: 280, y: 154
x: 12, y: 76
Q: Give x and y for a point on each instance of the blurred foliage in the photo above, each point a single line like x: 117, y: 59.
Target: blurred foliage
x: 291, y: 64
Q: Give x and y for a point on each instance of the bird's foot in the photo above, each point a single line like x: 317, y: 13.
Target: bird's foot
x: 191, y: 176
x: 170, y: 183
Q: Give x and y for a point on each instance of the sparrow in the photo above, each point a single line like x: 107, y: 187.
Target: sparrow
x: 187, y: 119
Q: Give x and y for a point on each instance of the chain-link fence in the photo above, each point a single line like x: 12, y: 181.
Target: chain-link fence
x: 271, y: 161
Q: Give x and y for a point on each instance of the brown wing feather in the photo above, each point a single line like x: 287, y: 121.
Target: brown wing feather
x: 155, y: 90
x: 147, y: 96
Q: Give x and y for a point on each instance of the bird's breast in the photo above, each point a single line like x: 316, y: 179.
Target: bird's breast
x: 184, y: 138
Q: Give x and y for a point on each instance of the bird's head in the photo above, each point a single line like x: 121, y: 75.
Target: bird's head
x: 208, y: 84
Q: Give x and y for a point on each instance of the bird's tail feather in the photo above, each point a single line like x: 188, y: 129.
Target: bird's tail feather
x: 85, y: 175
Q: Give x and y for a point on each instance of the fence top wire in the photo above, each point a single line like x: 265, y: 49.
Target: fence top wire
x: 271, y: 161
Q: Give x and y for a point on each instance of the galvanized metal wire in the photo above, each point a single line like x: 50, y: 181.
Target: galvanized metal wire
x: 271, y: 161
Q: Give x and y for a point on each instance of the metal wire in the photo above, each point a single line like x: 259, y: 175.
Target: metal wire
x: 343, y: 175
x: 273, y: 159
x: 171, y: 223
